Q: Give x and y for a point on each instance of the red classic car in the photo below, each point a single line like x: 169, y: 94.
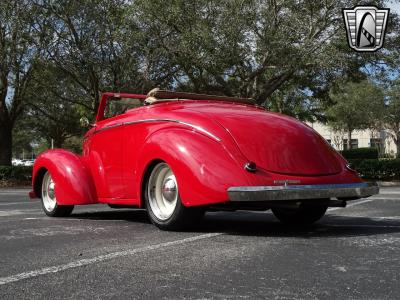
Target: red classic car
x: 180, y: 154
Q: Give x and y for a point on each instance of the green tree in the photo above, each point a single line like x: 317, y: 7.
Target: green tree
x: 251, y: 48
x: 87, y: 41
x: 23, y: 136
x: 17, y: 61
x: 356, y: 106
x: 290, y: 55
x: 52, y: 112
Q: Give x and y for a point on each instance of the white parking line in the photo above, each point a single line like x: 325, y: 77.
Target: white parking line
x: 22, y: 192
x: 360, y: 202
x: 384, y: 192
x: 363, y: 225
x: 352, y: 204
x: 388, y: 218
x: 77, y: 219
x: 100, y: 258
x: 16, y: 212
x: 385, y: 198
x: 13, y: 203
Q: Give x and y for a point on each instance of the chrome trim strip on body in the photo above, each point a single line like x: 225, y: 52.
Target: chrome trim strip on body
x: 302, y: 192
x: 198, y: 128
x: 108, y: 127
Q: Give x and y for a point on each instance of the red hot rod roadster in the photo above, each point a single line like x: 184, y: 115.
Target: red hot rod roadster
x: 179, y: 154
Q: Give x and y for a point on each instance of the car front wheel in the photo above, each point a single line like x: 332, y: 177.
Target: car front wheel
x: 163, y: 202
x: 49, y: 201
x: 303, y: 215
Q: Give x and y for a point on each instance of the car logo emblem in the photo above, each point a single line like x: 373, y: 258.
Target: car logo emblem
x: 365, y: 26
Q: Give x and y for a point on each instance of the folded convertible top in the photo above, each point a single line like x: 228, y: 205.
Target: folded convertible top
x: 158, y: 95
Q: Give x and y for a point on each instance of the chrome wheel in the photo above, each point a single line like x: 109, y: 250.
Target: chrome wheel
x: 48, y: 193
x: 162, y: 192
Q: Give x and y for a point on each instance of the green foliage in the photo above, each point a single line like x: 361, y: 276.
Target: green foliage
x: 15, y: 173
x: 389, y: 155
x: 291, y: 56
x: 22, y: 139
x: 93, y: 46
x: 357, y: 106
x: 361, y: 153
x: 383, y: 169
x: 74, y: 144
x: 250, y: 48
x: 18, y: 55
x: 52, y: 112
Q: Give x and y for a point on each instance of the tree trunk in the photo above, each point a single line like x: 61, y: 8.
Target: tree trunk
x: 397, y: 142
x: 349, y: 139
x: 5, y: 145
x: 59, y: 142
x: 58, y: 137
x: 272, y: 85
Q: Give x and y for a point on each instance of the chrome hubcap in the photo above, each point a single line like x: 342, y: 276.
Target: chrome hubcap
x: 162, y: 191
x: 169, y: 190
x: 48, y: 193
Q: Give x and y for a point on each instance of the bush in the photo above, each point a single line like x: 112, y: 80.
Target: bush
x: 15, y: 173
x: 387, y: 155
x: 361, y: 153
x: 383, y: 169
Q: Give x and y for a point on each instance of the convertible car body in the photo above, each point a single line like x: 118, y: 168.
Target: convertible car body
x: 179, y: 154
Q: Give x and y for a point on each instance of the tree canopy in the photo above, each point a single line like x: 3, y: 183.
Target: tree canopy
x: 290, y: 56
x: 356, y: 106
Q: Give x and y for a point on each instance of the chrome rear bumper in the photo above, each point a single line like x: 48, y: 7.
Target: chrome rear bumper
x: 348, y: 191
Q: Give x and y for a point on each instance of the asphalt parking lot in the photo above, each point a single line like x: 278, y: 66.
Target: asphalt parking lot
x: 98, y: 252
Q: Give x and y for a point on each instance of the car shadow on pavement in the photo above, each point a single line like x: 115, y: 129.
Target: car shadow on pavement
x: 259, y: 224
x: 264, y: 224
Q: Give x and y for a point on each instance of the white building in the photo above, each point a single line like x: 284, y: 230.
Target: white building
x: 359, y: 139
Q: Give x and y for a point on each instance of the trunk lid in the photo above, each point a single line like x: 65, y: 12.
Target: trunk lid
x: 275, y: 142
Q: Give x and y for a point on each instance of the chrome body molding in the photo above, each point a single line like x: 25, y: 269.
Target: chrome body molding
x: 198, y: 128
x: 348, y: 191
x: 108, y: 127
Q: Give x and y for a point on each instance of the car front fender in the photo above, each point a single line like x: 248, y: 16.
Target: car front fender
x: 74, y: 183
x: 203, y: 167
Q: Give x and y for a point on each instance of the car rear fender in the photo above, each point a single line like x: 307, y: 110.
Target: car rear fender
x: 74, y: 183
x: 203, y: 167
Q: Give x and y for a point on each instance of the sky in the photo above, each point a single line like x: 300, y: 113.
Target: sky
x: 394, y: 6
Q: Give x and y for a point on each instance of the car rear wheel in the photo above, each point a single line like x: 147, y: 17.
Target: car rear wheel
x: 303, y: 215
x: 163, y: 202
x: 49, y: 201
